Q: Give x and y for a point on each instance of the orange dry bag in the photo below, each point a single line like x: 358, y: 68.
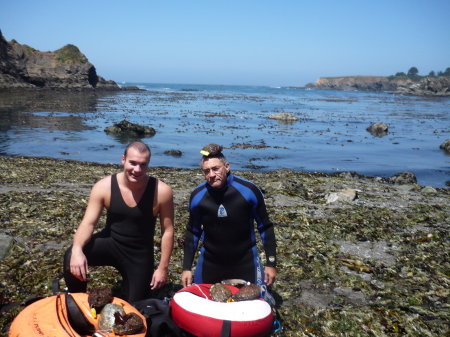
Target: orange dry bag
x: 55, y: 316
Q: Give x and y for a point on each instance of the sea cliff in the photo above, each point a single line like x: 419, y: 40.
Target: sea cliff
x: 360, y: 83
x: 428, y: 87
x: 67, y: 69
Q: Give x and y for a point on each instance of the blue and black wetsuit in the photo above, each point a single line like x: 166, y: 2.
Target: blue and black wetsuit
x: 126, y: 243
x: 224, y: 221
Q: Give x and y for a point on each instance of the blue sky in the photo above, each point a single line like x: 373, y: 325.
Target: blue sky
x: 274, y: 43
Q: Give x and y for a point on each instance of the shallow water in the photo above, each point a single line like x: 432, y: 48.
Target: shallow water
x: 330, y: 135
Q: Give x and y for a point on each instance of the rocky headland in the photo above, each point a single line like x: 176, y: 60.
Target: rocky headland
x: 402, y: 85
x: 360, y: 83
x: 23, y: 68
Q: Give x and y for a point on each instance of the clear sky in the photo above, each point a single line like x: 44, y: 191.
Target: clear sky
x: 254, y: 42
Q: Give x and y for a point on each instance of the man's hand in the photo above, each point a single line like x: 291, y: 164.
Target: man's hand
x: 79, y: 265
x: 159, y: 278
x: 186, y: 278
x: 269, y: 275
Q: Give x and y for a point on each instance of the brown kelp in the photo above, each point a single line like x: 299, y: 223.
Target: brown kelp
x: 376, y: 266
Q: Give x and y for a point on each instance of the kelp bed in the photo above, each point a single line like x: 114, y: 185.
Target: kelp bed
x: 376, y: 266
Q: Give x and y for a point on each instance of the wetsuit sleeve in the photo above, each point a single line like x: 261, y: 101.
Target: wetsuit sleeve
x: 266, y: 230
x: 193, y: 233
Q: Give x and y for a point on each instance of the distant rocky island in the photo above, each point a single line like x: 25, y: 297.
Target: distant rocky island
x: 428, y: 86
x: 67, y: 69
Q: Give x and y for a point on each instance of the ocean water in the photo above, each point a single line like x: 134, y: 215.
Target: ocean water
x: 330, y: 135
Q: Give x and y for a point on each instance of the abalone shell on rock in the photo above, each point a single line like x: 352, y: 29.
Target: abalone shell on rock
x: 247, y: 292
x: 220, y: 292
x: 129, y: 324
x: 107, y: 319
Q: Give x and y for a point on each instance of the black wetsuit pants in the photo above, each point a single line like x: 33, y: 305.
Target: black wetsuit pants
x: 103, y: 251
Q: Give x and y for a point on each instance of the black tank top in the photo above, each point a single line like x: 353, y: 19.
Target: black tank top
x: 133, y: 228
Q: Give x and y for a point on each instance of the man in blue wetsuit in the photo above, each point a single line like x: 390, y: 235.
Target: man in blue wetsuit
x: 133, y: 200
x: 222, y: 214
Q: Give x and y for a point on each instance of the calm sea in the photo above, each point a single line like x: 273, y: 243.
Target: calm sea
x: 330, y: 135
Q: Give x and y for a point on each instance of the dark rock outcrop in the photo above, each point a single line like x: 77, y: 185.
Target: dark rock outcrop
x: 128, y: 128
x: 174, y: 153
x: 403, y: 178
x: 428, y: 87
x: 25, y: 68
x: 360, y: 83
x: 445, y: 146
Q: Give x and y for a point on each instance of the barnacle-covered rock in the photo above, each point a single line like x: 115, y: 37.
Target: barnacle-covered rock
x: 220, y: 292
x: 128, y: 324
x: 378, y: 129
x: 99, y: 297
x: 247, y: 292
x: 107, y: 319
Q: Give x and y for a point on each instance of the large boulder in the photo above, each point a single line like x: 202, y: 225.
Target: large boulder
x: 378, y: 129
x: 404, y: 178
x: 25, y: 68
x: 127, y: 128
x: 347, y: 195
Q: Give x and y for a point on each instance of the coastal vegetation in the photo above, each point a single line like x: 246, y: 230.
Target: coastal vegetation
x: 413, y: 74
x: 70, y: 54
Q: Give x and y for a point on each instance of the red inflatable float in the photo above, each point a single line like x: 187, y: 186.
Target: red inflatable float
x: 193, y: 310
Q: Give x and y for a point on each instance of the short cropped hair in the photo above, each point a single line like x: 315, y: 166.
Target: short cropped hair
x: 141, y: 147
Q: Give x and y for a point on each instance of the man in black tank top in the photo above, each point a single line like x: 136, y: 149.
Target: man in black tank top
x: 133, y: 200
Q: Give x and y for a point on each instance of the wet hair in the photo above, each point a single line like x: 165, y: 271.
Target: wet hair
x: 141, y: 147
x: 213, y: 151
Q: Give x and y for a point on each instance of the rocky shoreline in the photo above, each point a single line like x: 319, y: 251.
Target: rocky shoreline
x: 357, y: 255
x: 438, y: 87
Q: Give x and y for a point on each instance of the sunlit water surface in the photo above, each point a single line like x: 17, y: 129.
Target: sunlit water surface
x: 330, y: 135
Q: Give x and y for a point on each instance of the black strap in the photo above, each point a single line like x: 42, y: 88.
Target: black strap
x: 26, y: 302
x: 226, y: 329
x: 76, y: 317
x: 58, y: 298
x: 55, y: 287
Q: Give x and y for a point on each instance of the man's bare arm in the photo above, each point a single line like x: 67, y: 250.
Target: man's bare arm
x: 78, y: 261
x: 166, y: 217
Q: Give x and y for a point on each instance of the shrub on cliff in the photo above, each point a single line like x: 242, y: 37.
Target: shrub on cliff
x: 413, y: 71
x: 70, y: 53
